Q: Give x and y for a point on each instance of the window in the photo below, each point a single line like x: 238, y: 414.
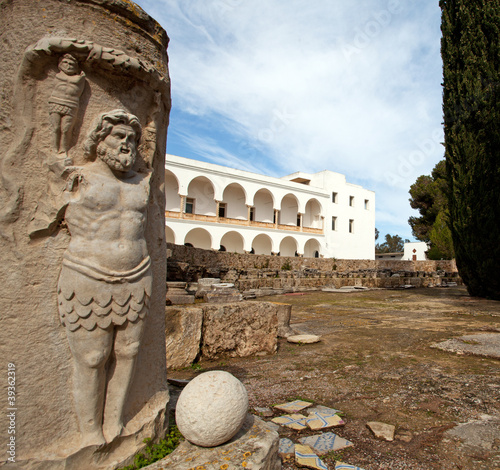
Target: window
x: 189, y: 209
x: 222, y: 209
x: 298, y: 220
x: 334, y: 197
x: 334, y: 223
x: 252, y: 214
x: 351, y: 226
x: 367, y: 204
x: 351, y: 201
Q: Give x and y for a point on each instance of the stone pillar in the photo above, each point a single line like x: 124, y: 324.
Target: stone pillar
x: 249, y: 208
x: 84, y: 113
x: 183, y: 206
x: 301, y: 217
x: 217, y: 206
x: 276, y: 218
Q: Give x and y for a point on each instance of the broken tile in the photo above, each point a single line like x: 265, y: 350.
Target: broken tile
x: 382, y: 430
x: 293, y: 406
x: 264, y: 411
x: 294, y: 421
x: 326, y: 442
x: 405, y: 436
x: 323, y: 409
x: 305, y: 457
x: 346, y: 466
x: 273, y: 426
x: 324, y: 420
x: 287, y: 447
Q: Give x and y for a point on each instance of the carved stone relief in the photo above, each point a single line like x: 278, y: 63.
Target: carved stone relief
x: 64, y: 102
x: 97, y: 190
x: 62, y: 108
x: 105, y: 281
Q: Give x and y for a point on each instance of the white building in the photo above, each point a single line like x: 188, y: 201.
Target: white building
x: 413, y: 251
x: 215, y: 207
x: 416, y: 251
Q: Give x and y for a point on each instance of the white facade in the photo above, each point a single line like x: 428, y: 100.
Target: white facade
x: 211, y: 206
x: 416, y: 251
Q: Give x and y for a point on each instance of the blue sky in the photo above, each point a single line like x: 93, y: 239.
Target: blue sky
x: 274, y: 87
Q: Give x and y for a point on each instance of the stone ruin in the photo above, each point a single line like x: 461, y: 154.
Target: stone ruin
x: 84, y: 113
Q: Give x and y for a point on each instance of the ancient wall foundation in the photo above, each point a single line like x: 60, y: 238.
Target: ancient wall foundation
x: 264, y: 275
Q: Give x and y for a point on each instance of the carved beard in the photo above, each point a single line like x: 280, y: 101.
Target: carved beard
x: 114, y: 158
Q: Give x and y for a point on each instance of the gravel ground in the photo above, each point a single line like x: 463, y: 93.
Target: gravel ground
x: 375, y: 363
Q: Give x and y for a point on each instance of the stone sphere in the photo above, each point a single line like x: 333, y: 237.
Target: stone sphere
x: 211, y: 409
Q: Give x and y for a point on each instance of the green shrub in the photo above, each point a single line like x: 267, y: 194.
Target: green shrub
x: 286, y: 266
x: 155, y: 452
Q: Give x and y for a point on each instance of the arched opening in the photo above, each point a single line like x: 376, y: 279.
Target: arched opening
x: 312, y: 248
x: 234, y: 201
x: 233, y: 242
x: 262, y: 245
x: 200, y: 197
x: 312, y: 215
x: 172, y: 198
x: 289, y: 210
x: 264, y: 206
x: 199, y: 238
x: 288, y: 247
x: 169, y: 235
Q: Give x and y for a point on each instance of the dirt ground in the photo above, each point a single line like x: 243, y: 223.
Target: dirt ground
x: 375, y: 363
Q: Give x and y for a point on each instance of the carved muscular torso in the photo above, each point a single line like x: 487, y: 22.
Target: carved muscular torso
x: 106, y: 217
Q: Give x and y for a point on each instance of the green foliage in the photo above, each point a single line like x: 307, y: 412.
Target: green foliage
x: 286, y: 266
x: 155, y: 452
x: 392, y: 244
x: 470, y: 49
x: 429, y: 195
x: 441, y: 241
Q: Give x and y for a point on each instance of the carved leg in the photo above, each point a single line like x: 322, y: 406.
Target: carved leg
x: 55, y: 121
x: 66, y: 134
x: 90, y: 350
x: 127, y: 341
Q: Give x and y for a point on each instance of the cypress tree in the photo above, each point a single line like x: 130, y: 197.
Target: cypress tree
x: 470, y: 48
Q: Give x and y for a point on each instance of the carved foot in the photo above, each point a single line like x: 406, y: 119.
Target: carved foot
x: 113, y: 430
x: 93, y: 439
x: 63, y: 155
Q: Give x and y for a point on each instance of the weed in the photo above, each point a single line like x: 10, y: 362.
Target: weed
x: 301, y: 399
x: 469, y: 341
x: 155, y: 452
x: 335, y: 454
x: 286, y: 266
x: 196, y: 366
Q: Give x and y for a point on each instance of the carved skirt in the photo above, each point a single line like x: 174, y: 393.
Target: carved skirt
x: 87, y: 302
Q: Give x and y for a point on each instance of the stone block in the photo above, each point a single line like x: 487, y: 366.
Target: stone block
x: 284, y: 312
x: 177, y: 294
x: 255, y: 446
x: 183, y: 335
x: 239, y: 330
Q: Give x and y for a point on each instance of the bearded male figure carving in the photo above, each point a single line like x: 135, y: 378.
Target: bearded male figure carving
x: 105, y: 281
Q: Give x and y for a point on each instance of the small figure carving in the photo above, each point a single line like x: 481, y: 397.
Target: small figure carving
x: 105, y: 281
x: 64, y: 102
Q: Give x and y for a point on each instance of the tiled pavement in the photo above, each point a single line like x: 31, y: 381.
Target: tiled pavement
x: 308, y: 450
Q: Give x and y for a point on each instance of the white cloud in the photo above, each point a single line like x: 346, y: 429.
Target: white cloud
x: 353, y: 87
